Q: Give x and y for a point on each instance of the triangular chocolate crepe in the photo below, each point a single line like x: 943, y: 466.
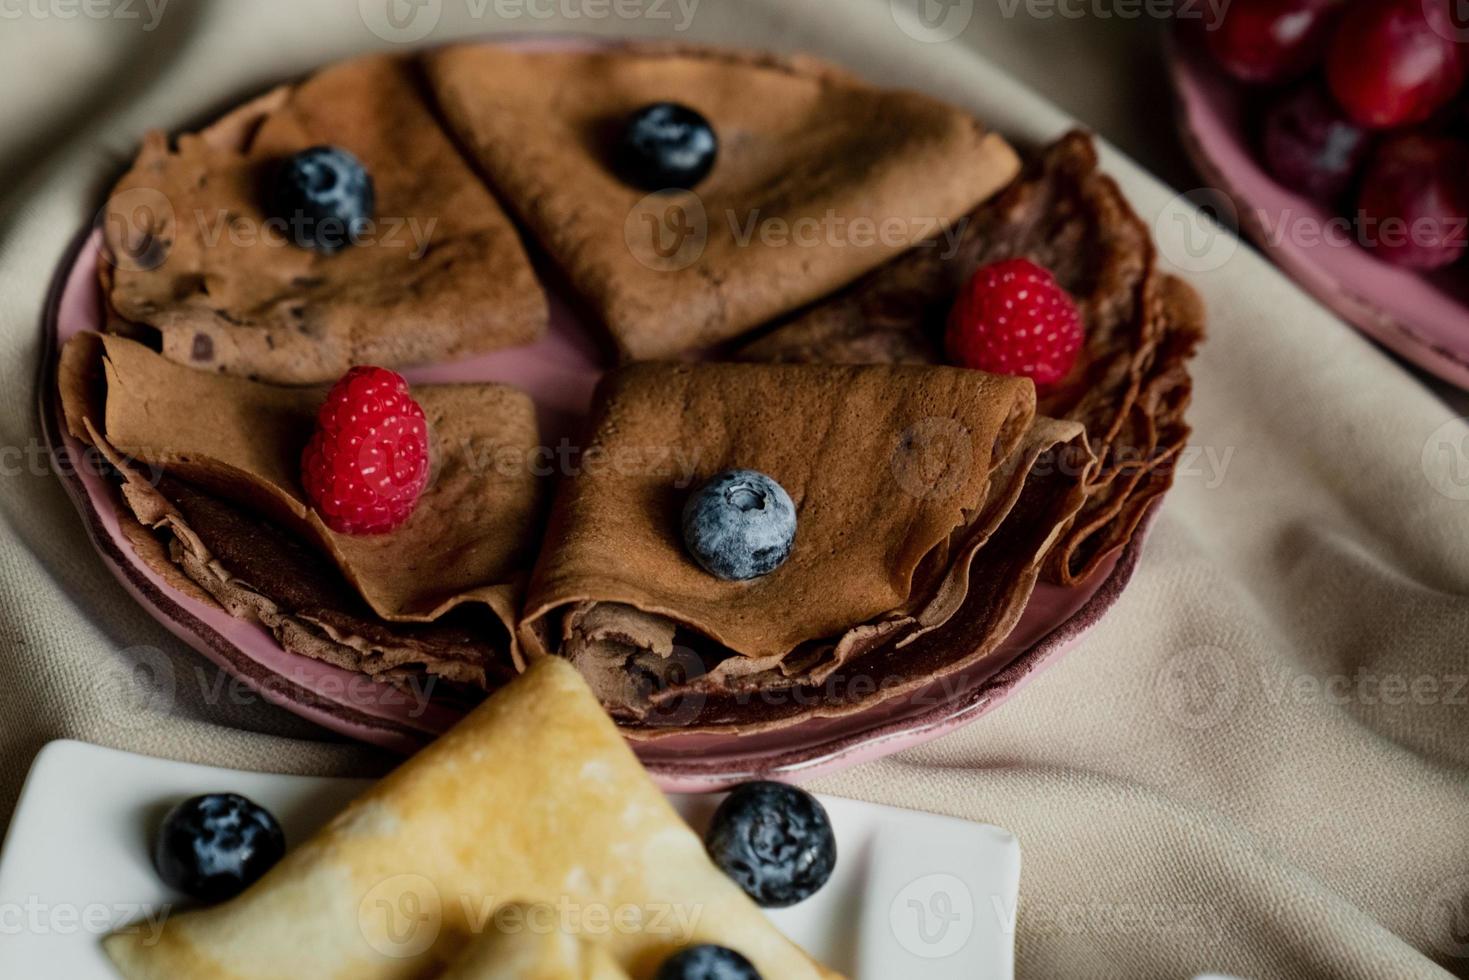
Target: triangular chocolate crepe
x: 441, y: 273
x: 1129, y: 388
x: 923, y: 516
x: 819, y: 179
x: 229, y: 452
x: 534, y: 795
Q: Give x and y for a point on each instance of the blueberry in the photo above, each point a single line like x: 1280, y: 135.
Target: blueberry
x: 707, y: 963
x: 214, y: 847
x: 325, y: 195
x: 740, y: 525
x: 775, y: 841
x: 666, y: 145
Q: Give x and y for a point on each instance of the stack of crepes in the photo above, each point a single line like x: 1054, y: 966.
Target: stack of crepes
x: 213, y: 463
x: 927, y: 500
x: 931, y: 499
x: 1131, y: 385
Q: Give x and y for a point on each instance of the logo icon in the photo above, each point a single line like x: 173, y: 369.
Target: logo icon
x: 933, y: 917
x: 932, y: 21
x: 1198, y: 231
x: 1446, y: 459
x: 134, y: 689
x: 1445, y: 917
x: 667, y: 230
x: 933, y: 458
x: 137, y: 227
x: 401, y: 21
x: 1449, y: 21
x: 401, y: 916
x: 1198, y: 687
x: 677, y: 710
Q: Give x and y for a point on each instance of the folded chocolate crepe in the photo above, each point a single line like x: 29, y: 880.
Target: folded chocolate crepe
x: 212, y: 461
x: 195, y: 258
x: 819, y: 179
x: 1130, y: 386
x: 926, y: 499
x: 526, y: 943
x: 534, y: 795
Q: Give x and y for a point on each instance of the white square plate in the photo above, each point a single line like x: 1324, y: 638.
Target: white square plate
x: 914, y: 895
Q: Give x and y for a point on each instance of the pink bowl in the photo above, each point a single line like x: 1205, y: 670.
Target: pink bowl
x: 1422, y: 318
x: 560, y: 373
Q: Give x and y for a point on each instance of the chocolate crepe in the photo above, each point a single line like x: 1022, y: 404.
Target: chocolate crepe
x: 533, y: 795
x: 819, y: 179
x: 926, y: 499
x: 440, y: 275
x: 212, y: 461
x: 1130, y: 386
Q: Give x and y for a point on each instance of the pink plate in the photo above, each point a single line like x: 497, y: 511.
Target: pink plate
x: 559, y: 372
x: 1423, y: 318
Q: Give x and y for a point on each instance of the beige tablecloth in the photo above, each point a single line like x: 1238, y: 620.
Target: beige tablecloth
x: 1256, y: 765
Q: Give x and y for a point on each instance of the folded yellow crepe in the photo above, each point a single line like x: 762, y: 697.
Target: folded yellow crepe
x: 533, y: 798
x: 532, y: 945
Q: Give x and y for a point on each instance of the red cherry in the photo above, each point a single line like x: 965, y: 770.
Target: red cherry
x: 1267, y: 41
x: 1415, y: 201
x: 1395, y: 62
x: 1311, y: 146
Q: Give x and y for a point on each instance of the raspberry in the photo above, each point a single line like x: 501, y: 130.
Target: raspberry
x: 1013, y: 318
x: 367, y: 463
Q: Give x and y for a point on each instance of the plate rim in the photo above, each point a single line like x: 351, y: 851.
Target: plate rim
x: 688, y: 774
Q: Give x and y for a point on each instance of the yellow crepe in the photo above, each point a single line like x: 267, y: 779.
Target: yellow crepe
x: 535, y: 798
x: 530, y: 944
